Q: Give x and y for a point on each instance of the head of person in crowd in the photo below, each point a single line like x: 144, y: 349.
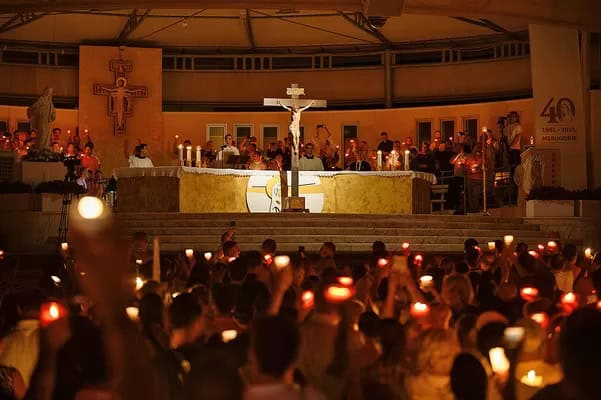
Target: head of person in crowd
x: 185, y: 320
x: 580, y: 352
x: 274, y: 348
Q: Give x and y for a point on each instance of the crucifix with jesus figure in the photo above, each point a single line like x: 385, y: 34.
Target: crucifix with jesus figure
x: 296, y: 106
x: 120, y: 95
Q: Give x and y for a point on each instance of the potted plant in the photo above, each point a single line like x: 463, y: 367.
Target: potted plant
x: 553, y: 201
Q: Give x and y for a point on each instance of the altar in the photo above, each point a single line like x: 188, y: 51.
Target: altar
x: 206, y: 190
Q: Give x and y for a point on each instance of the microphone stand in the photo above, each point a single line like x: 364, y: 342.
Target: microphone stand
x: 484, y: 176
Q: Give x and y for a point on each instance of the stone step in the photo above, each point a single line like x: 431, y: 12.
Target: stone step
x: 354, y: 224
x: 266, y: 217
x: 351, y: 233
x: 441, y: 248
x: 286, y: 230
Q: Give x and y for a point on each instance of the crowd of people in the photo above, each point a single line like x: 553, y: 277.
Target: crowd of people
x: 499, y: 322
x: 83, y: 166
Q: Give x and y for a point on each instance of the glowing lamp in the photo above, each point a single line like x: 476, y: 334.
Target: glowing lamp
x: 419, y: 310
x: 307, y: 300
x: 281, y: 262
x: 491, y: 245
x: 189, y: 253
x: 498, y: 360
x: 529, y: 293
x: 90, y: 207
x: 508, y: 239
x: 338, y: 294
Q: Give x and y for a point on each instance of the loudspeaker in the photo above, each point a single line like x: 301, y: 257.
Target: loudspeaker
x: 383, y: 8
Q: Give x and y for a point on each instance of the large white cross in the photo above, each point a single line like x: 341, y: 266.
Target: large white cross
x: 296, y: 106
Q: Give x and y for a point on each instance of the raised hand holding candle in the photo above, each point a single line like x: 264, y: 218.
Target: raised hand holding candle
x: 379, y: 160
x: 491, y: 245
x: 419, y: 310
x: 406, y: 164
x: 208, y: 255
x: 338, y: 294
x: 588, y: 253
x: 529, y: 293
x: 189, y: 253
x: 508, y: 239
x: 307, y: 299
x: 198, y: 157
x: 345, y: 280
x: 532, y: 380
x: 281, y: 262
x: 382, y: 262
x: 498, y: 360
x: 405, y: 246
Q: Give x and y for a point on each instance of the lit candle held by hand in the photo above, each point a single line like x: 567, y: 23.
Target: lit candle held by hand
x: 419, y: 310
x: 532, y: 380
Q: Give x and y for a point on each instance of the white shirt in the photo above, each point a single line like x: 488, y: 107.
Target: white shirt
x: 310, y: 164
x: 232, y: 150
x: 277, y: 391
x: 137, y: 162
x: 21, y: 348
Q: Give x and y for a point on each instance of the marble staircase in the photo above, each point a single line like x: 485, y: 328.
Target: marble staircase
x: 351, y: 233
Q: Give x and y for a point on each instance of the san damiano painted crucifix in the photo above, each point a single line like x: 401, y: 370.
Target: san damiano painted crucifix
x: 119, y: 94
x: 296, y: 106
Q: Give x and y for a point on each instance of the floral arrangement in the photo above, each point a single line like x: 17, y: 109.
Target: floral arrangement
x: 560, y: 193
x: 59, y: 187
x: 44, y: 155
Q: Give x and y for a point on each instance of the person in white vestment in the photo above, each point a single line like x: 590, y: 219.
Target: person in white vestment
x: 309, y: 162
x: 139, y: 159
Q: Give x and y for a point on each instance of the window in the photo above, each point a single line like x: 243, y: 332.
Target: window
x: 216, y: 134
x: 349, y: 132
x: 447, y: 129
x: 23, y: 126
x: 470, y: 129
x: 242, y: 131
x: 424, y: 132
x: 270, y: 134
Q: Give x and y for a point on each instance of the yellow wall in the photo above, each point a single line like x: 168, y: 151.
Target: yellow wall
x: 399, y: 123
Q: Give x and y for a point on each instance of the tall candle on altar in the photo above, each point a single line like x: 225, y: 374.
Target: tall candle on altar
x: 394, y: 157
x: 379, y: 160
x: 180, y: 153
x: 189, y: 155
x: 407, y: 160
x: 198, y: 156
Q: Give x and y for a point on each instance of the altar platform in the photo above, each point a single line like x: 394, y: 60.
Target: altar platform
x: 206, y: 190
